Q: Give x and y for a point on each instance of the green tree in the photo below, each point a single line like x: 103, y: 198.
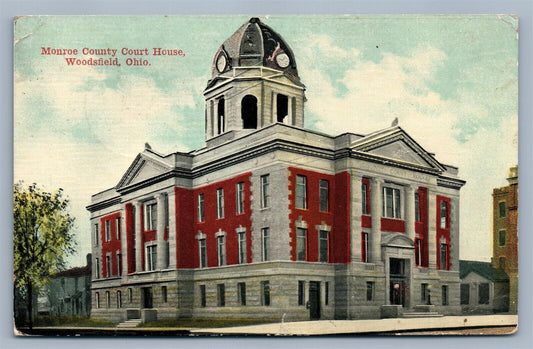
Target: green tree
x: 42, y: 240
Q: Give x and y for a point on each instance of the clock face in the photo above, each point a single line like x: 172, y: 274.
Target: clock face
x: 221, y: 63
x: 283, y: 60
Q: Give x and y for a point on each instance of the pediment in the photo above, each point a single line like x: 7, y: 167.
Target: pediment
x: 395, y: 144
x: 143, y: 168
x: 397, y: 240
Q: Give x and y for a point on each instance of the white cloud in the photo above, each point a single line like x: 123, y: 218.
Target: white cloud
x: 121, y: 121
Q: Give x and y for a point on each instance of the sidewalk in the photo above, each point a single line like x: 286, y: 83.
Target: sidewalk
x: 330, y: 327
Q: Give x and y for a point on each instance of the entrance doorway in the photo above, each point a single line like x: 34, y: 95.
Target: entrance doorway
x: 398, y: 282
x: 314, y: 300
x: 147, y: 297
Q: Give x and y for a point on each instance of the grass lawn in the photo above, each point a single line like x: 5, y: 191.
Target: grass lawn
x: 75, y: 321
x: 205, y: 323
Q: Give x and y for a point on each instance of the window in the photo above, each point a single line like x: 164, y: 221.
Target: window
x: 501, y: 238
x: 201, y: 208
x: 364, y: 199
x: 202, y: 296
x: 117, y: 228
x: 164, y: 294
x: 502, y: 209
x: 391, y: 203
x: 119, y: 299
x: 96, y: 234
x: 97, y: 268
x: 483, y: 293
x: 97, y: 300
x: 364, y: 247
x: 108, y: 265
x: 242, y: 246
x: 323, y: 246
x: 444, y: 295
x: 134, y: 258
x: 107, y: 299
x: 221, y: 118
x: 202, y: 253
x: 417, y: 208
x: 151, y: 257
x: 282, y: 106
x: 221, y: 295
x: 443, y: 214
x: 239, y: 193
x: 265, y: 242
x: 119, y: 263
x: 220, y: 203
x: 326, y: 293
x: 300, y: 244
x: 418, y: 252
x: 501, y: 262
x: 249, y: 112
x: 241, y: 287
x: 265, y: 195
x: 370, y: 291
x: 324, y: 195
x: 150, y: 222
x: 265, y: 297
x: 130, y: 295
x: 465, y: 294
x: 424, y: 294
x: 301, y: 292
x: 107, y: 230
x: 221, y: 250
x: 301, y: 192
x: 443, y: 256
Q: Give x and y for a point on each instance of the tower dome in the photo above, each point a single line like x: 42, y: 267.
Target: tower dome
x: 255, y: 44
x: 254, y: 83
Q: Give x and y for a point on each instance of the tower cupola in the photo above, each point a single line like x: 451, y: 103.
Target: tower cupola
x: 254, y: 83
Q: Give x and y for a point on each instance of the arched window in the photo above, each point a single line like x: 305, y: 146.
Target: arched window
x: 221, y: 118
x: 282, y: 105
x: 249, y: 112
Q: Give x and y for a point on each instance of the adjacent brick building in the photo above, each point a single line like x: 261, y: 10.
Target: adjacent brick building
x: 505, y: 241
x: 270, y: 220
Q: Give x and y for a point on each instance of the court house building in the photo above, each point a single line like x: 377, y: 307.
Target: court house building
x: 271, y: 220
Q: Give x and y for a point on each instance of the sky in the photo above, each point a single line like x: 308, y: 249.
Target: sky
x: 451, y: 81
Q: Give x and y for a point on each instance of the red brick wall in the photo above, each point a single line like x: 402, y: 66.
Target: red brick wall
x: 337, y: 217
x: 443, y: 232
x: 228, y: 224
x: 421, y: 227
x: 112, y: 246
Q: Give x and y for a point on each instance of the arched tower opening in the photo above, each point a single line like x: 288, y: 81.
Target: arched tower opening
x: 249, y: 112
x: 221, y: 119
x: 282, y: 106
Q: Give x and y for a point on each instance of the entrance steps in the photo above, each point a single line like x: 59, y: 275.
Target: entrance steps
x: 417, y: 314
x: 131, y: 323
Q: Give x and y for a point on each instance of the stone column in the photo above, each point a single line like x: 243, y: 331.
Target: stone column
x: 289, y: 111
x: 410, y: 212
x: 172, y: 258
x: 138, y: 237
x: 274, y: 107
x: 124, y: 241
x: 160, y: 232
x: 376, y: 207
x: 432, y: 229
x: 355, y: 221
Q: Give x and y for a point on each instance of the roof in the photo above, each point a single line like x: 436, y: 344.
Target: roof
x: 256, y: 44
x: 483, y: 269
x: 73, y: 272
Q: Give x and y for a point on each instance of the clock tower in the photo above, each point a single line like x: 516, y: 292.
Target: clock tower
x: 254, y: 83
